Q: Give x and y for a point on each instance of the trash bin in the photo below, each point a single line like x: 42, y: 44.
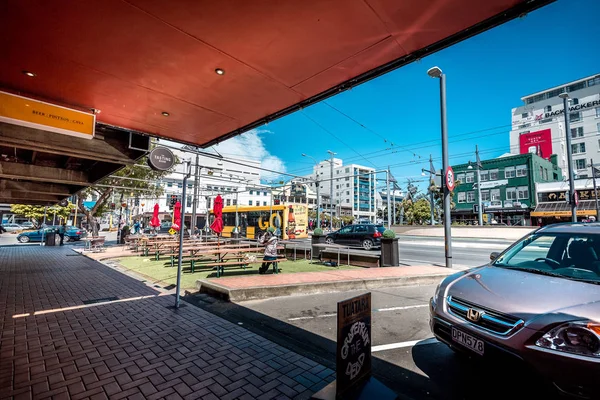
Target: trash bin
x: 235, y: 238
x: 50, y: 238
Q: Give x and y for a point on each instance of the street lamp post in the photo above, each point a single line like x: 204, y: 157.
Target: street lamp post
x: 565, y: 97
x: 318, y: 184
x: 436, y: 72
x: 181, y: 232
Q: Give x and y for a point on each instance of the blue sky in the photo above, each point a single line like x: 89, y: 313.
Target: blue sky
x: 486, y: 77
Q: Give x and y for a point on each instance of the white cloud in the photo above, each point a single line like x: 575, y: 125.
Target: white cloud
x: 250, y: 145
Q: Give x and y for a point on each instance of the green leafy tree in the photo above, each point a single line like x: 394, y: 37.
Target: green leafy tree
x: 416, y: 212
x: 36, y: 213
x: 142, y: 182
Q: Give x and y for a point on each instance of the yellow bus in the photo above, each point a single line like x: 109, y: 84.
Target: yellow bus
x: 289, y: 220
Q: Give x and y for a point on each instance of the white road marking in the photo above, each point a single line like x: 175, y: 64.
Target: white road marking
x: 400, y: 345
x: 376, y: 310
x: 468, y: 245
x: 402, y: 308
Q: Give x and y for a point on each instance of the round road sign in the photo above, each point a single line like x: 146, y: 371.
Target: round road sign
x: 450, y: 178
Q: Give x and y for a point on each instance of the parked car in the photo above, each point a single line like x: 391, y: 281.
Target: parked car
x: 366, y: 236
x: 538, y: 302
x: 12, y: 227
x: 27, y: 225
x: 72, y: 234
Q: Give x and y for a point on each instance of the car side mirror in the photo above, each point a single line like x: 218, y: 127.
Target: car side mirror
x: 494, y: 255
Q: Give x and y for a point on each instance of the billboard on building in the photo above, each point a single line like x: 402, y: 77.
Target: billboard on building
x: 539, y: 143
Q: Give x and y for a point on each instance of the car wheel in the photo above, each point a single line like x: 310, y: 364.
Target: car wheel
x: 329, y: 240
x: 24, y: 239
x: 367, y: 244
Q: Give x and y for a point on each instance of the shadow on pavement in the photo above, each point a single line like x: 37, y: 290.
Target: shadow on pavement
x: 445, y: 375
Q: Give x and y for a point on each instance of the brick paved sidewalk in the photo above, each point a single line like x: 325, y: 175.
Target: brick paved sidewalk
x: 52, y: 344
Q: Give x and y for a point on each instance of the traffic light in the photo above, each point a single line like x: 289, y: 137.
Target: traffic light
x: 113, y: 206
x: 172, y: 201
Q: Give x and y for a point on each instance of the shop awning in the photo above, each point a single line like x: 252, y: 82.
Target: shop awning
x: 563, y: 209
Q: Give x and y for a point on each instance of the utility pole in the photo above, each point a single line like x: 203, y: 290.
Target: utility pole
x: 331, y: 154
x: 181, y: 233
x: 565, y: 97
x: 318, y: 201
x: 431, y: 195
x: 389, y: 209
x: 195, y: 199
x: 479, y: 205
x: 595, y: 189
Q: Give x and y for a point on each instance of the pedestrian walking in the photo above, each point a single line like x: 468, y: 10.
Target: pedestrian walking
x: 61, y: 232
x: 270, y: 241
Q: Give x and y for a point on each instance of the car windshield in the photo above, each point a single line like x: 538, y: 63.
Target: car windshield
x: 570, y: 256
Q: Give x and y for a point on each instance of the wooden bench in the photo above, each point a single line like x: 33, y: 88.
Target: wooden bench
x: 243, y: 264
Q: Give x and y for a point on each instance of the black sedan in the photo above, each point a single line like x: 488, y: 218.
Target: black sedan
x: 366, y: 236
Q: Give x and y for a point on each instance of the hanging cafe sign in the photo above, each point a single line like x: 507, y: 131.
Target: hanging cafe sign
x: 161, y: 159
x: 577, y: 107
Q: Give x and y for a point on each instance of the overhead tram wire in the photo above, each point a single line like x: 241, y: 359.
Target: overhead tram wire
x: 335, y: 137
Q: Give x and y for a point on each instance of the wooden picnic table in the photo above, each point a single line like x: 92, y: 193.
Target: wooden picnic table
x: 220, y: 262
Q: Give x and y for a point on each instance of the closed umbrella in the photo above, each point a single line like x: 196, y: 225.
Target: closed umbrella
x: 217, y: 225
x: 177, y: 217
x: 155, y: 222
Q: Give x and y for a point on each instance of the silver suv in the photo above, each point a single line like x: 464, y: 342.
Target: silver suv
x: 537, y: 302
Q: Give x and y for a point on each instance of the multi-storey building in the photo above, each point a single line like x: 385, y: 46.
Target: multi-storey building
x: 508, y: 188
x: 538, y: 125
x: 354, y: 189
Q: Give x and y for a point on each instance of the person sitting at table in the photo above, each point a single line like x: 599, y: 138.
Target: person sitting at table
x: 270, y: 241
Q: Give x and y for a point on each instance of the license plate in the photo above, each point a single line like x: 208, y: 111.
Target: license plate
x: 468, y: 341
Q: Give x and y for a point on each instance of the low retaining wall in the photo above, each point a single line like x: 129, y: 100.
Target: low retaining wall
x: 482, y: 232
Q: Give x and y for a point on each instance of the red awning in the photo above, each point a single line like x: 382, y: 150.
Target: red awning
x: 135, y: 59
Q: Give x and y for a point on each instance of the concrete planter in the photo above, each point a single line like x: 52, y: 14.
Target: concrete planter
x: 315, y: 249
x: 390, y: 256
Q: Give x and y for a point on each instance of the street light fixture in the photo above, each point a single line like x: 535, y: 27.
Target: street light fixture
x: 565, y: 97
x: 436, y: 72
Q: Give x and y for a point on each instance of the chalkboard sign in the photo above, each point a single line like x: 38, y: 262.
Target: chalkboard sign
x: 353, y: 363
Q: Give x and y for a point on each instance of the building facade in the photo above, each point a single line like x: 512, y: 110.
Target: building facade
x: 508, y: 188
x: 552, y: 205
x: 354, y: 189
x: 538, y: 125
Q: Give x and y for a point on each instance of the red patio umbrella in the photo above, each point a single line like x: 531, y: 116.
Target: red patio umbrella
x: 155, y: 222
x: 177, y: 216
x: 217, y: 225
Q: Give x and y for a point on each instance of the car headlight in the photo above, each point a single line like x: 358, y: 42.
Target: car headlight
x: 582, y: 338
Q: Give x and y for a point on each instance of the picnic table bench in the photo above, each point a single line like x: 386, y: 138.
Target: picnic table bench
x: 95, y: 244
x: 223, y: 255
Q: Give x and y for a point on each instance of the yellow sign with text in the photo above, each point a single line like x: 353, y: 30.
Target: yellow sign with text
x: 580, y: 213
x: 37, y: 114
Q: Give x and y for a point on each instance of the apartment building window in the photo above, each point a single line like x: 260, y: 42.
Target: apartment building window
x: 484, y: 175
x: 347, y: 200
x: 460, y: 177
x: 548, y: 108
x: 577, y: 132
x: 575, y: 101
x: 264, y: 203
x: 347, y: 185
x: 546, y: 173
x: 597, y: 112
x: 337, y: 186
x: 576, y: 86
x: 593, y: 81
x: 347, y: 170
x: 251, y: 192
x: 578, y: 148
x: 257, y: 203
x: 525, y: 115
x: 228, y: 202
x: 470, y: 177
x: 522, y: 192
x: 337, y: 172
x: 169, y: 184
x: 235, y: 202
x: 509, y: 172
x: 347, y: 178
x: 471, y: 197
x: 575, y: 116
x: 511, y: 193
x: 249, y: 202
x: 264, y: 193
x: 580, y: 164
x: 521, y: 170
x: 494, y: 174
x: 462, y: 196
x: 347, y: 193
x: 485, y: 195
x: 495, y: 194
